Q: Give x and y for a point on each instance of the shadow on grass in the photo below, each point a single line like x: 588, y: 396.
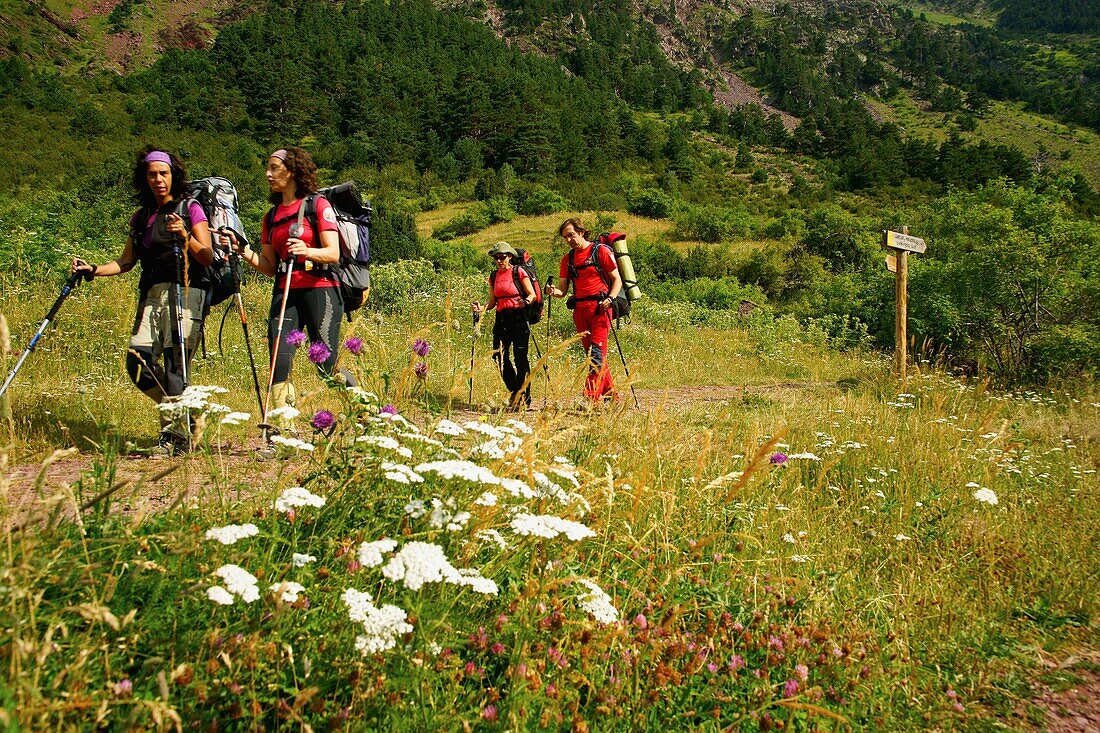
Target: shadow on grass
x: 61, y: 423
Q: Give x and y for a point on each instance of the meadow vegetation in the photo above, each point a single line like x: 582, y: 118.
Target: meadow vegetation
x: 794, y: 542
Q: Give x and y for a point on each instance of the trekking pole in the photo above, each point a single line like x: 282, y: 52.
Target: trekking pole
x: 615, y: 333
x: 70, y: 285
x: 275, y: 347
x: 178, y: 315
x: 235, y: 269
x: 473, y: 340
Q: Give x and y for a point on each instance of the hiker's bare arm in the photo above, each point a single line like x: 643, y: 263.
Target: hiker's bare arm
x: 262, y: 261
x: 327, y: 254
x: 121, y: 264
x: 561, y: 288
x: 529, y: 289
x: 616, y: 283
x: 199, y: 244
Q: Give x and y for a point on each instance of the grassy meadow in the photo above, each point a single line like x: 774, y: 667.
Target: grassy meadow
x: 780, y: 537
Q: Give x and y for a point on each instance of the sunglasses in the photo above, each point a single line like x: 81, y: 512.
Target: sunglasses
x: 498, y: 258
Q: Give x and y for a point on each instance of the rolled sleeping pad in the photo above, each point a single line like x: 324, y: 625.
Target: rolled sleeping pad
x: 626, y: 267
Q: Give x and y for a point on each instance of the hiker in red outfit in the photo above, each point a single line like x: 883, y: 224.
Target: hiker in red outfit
x: 595, y: 277
x: 510, y: 292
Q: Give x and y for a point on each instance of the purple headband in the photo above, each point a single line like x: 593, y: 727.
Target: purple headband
x: 158, y: 156
x: 280, y: 154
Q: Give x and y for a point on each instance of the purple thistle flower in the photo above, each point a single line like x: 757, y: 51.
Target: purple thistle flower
x: 778, y: 459
x: 421, y: 347
x: 319, y: 352
x: 297, y: 337
x: 389, y: 410
x: 736, y: 662
x: 420, y: 369
x: 790, y: 688
x: 489, y: 712
x: 323, y: 420
x: 354, y: 345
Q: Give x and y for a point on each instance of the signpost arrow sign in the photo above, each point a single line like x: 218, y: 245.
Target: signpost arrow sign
x: 897, y: 240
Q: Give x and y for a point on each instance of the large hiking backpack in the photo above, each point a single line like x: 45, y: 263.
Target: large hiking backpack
x: 353, y: 217
x: 353, y: 224
x: 620, y: 304
x: 218, y: 198
x: 521, y: 260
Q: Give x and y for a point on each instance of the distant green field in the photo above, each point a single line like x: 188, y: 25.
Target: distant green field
x: 941, y: 18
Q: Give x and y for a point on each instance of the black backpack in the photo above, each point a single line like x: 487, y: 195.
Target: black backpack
x: 353, y: 220
x: 522, y: 260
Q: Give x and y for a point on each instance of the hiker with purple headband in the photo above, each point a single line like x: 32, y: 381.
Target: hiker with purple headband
x: 166, y: 219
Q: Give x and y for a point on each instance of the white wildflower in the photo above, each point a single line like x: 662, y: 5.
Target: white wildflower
x: 475, y: 581
x: 466, y: 470
x: 517, y: 488
x: 568, y: 473
x: 491, y: 535
x: 597, y: 603
x: 416, y: 508
x: 421, y: 439
x: 385, y: 442
x: 290, y: 442
x: 297, y: 496
x: 401, y: 473
x: 219, y: 595
x: 986, y: 496
x: 486, y: 499
x: 800, y: 558
x: 382, y: 625
x: 449, y: 427
x: 519, y: 426
x: 236, y: 418
x: 239, y: 582
x: 288, y: 591
x: 418, y: 563
x: 285, y: 413
x: 789, y: 538
x: 484, y: 428
x: 215, y: 409
x: 549, y: 526
x: 902, y: 537
x: 300, y: 560
x: 807, y: 456
x: 370, y: 554
x: 230, y: 533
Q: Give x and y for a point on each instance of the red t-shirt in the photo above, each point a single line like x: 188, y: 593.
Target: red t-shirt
x: 589, y: 281
x: 285, y: 216
x: 503, y: 285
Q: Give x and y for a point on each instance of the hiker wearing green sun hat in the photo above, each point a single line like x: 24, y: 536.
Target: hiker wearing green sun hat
x: 510, y: 292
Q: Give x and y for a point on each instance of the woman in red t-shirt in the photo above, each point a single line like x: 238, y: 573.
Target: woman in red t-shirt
x: 596, y: 282
x: 510, y: 291
x: 301, y: 227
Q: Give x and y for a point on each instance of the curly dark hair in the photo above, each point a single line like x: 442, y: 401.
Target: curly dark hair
x: 304, y: 171
x: 577, y: 226
x: 142, y: 193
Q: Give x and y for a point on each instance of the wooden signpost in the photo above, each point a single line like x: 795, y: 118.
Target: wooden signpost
x: 901, y: 244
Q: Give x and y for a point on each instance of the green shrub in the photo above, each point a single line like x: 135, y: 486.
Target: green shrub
x: 541, y: 200
x: 651, y: 202
x: 712, y: 223
x: 455, y: 256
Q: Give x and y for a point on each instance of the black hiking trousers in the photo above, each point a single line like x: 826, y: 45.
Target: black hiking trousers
x: 512, y: 332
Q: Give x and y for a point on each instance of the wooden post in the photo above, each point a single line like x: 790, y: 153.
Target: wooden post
x: 901, y: 314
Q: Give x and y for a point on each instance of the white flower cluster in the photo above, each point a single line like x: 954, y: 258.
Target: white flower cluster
x: 288, y: 591
x: 498, y: 448
x: 300, y: 560
x: 382, y: 625
x: 236, y: 418
x: 449, y: 427
x: 549, y: 526
x: 194, y: 398
x: 416, y: 508
x: 485, y: 429
x: 418, y: 563
x: 491, y: 535
x: 547, y: 488
x: 596, y: 603
x: 230, y: 533
x: 364, y: 396
x: 807, y: 456
x: 519, y: 426
x: 422, y: 439
x: 285, y: 413
x: 517, y: 488
x: 297, y: 496
x: 385, y: 442
x: 238, y: 582
x: 401, y: 473
x: 445, y: 515
x: 370, y: 554
x: 986, y: 496
x: 465, y: 470
x: 488, y: 498
x: 290, y: 442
